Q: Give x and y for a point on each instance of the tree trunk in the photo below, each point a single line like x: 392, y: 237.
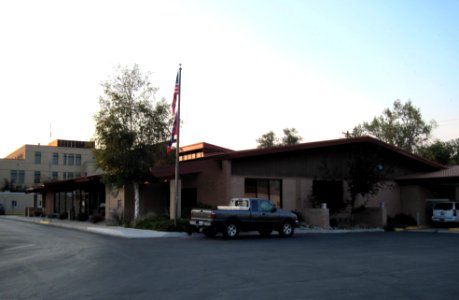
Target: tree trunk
x: 136, y: 201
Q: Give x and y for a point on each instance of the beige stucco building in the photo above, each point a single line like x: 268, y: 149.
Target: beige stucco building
x: 59, y: 160
x: 32, y: 165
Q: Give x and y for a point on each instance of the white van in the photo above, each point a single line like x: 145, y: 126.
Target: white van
x: 446, y: 212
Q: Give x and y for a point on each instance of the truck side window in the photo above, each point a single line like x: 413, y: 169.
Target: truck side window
x: 254, y: 205
x: 266, y: 206
x: 242, y: 203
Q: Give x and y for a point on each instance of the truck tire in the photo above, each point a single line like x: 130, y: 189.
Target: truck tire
x: 287, y: 229
x: 231, y: 229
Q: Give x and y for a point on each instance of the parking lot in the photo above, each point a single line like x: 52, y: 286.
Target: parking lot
x: 44, y: 262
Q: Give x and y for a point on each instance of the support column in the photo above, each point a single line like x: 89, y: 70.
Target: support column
x: 172, y: 200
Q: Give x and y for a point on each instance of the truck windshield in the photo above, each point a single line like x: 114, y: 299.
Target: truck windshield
x: 443, y: 206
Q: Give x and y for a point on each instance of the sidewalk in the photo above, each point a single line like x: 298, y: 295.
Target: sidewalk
x: 101, y: 228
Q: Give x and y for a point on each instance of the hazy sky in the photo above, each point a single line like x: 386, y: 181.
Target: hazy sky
x: 249, y: 66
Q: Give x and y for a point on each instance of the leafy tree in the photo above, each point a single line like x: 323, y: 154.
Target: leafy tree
x: 402, y: 126
x: 446, y: 153
x: 267, y: 140
x: 131, y: 128
x: 366, y: 175
x: 291, y: 137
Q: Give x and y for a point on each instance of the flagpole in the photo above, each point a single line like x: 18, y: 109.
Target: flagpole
x: 177, y: 149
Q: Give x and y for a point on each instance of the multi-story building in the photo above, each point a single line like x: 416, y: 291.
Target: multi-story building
x: 31, y: 165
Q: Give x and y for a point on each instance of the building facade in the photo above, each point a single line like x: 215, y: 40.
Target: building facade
x: 31, y: 165
x: 310, y: 178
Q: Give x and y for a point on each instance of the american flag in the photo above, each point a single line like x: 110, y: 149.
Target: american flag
x: 176, y: 92
x: 172, y: 140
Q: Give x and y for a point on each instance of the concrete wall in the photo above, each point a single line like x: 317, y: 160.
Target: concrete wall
x: 414, y: 202
x: 319, y: 217
x: 154, y: 198
x: 22, y: 201
x: 371, y: 216
x: 388, y: 196
x: 213, y: 184
x: 114, y: 201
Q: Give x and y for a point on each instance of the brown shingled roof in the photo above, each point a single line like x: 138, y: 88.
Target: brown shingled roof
x: 332, y: 143
x: 197, y: 165
x: 449, y: 173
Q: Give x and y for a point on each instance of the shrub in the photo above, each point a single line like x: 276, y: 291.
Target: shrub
x: 400, y: 220
x: 64, y: 216
x: 299, y: 215
x: 161, y: 223
x: 82, y: 217
x: 96, y: 218
x: 117, y: 217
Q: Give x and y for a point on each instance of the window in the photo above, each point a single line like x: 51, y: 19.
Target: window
x: 37, y: 157
x: 266, y: 206
x: 55, y: 176
x: 330, y: 192
x: 21, y: 177
x: 444, y: 206
x: 254, y: 205
x: 70, y: 159
x: 68, y: 175
x: 14, y: 177
x: 78, y: 159
x: 17, y: 177
x: 55, y: 158
x: 37, y: 177
x: 270, y: 189
x: 65, y: 159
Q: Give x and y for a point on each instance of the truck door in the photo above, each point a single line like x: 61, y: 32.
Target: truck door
x: 264, y: 216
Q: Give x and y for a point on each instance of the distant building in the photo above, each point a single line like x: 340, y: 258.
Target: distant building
x: 31, y: 165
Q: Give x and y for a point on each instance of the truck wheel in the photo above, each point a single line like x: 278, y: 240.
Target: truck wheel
x: 287, y: 229
x: 231, y: 230
x: 209, y: 232
x: 265, y: 232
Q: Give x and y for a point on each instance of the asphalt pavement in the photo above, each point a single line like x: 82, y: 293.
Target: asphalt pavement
x: 104, y: 229
x: 99, y: 228
x: 47, y: 262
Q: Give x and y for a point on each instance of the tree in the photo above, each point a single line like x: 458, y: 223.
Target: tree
x: 131, y: 128
x: 446, y: 153
x: 267, y: 140
x: 402, y: 126
x: 291, y: 137
x: 365, y: 177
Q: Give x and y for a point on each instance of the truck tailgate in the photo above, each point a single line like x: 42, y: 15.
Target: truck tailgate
x: 201, y: 214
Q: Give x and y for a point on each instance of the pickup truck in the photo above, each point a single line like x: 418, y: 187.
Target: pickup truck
x: 243, y: 214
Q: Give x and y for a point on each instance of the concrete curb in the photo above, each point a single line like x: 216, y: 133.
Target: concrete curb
x: 98, y: 229
x: 123, y: 232
x: 335, y: 231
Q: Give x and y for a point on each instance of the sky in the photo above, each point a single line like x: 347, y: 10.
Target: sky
x: 248, y: 66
